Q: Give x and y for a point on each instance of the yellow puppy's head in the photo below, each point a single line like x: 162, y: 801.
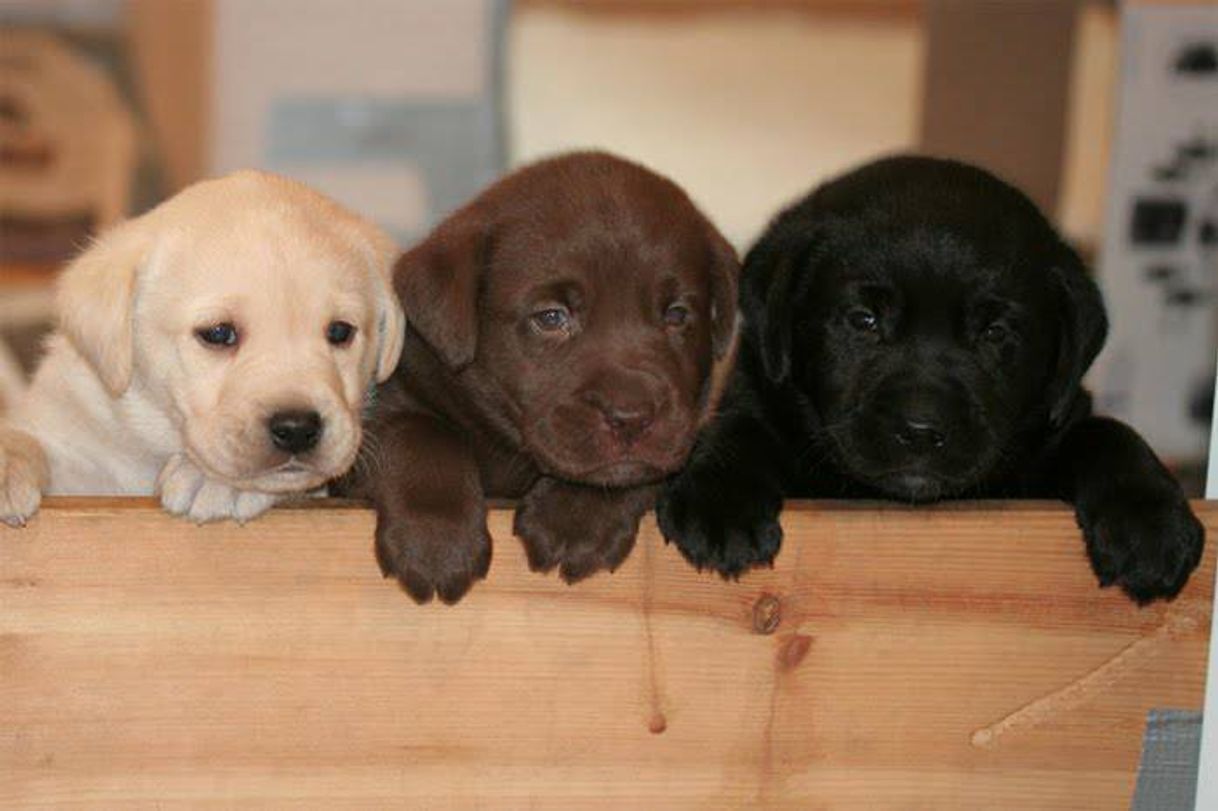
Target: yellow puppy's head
x: 253, y: 311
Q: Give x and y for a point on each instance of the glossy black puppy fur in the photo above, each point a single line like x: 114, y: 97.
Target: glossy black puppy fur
x: 916, y: 330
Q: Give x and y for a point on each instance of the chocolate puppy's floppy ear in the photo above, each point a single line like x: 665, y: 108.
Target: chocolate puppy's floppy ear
x: 724, y: 283
x: 96, y: 296
x: 1082, y: 328
x: 438, y: 283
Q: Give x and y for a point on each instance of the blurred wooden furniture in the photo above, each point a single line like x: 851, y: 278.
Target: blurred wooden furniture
x: 171, y: 49
x: 67, y: 139
x: 950, y: 657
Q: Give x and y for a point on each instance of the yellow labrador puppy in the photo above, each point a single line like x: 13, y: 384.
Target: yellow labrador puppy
x: 216, y: 351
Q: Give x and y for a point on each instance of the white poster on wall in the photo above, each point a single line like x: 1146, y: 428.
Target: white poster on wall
x: 1159, y: 256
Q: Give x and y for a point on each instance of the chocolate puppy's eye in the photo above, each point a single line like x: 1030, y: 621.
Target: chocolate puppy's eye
x: 218, y: 336
x: 551, y: 319
x: 995, y: 333
x: 340, y: 333
x: 676, y: 315
x: 863, y: 320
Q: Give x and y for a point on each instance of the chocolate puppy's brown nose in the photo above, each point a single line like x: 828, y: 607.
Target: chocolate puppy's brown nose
x: 626, y: 418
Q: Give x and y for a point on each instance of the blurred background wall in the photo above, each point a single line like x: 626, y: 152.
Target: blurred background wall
x: 403, y: 108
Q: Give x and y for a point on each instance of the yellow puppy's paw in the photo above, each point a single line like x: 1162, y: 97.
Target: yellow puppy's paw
x: 187, y: 491
x: 24, y: 475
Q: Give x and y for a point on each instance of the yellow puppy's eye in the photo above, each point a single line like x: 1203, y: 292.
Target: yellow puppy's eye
x: 218, y: 335
x: 340, y: 333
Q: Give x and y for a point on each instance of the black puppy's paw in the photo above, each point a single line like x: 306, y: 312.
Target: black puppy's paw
x: 1144, y: 539
x: 430, y: 555
x: 727, y: 531
x: 579, y: 530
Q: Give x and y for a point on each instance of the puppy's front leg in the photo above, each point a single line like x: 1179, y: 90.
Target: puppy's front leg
x: 187, y: 491
x: 24, y: 475
x: 430, y: 511
x: 722, y: 510
x: 580, y: 529
x: 1139, y: 529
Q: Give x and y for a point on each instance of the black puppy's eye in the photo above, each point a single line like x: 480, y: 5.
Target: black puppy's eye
x: 863, y: 320
x: 676, y: 315
x: 340, y: 333
x: 218, y: 335
x: 551, y: 319
x: 995, y: 333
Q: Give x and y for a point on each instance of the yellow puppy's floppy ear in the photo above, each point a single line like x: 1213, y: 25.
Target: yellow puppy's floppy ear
x: 95, y: 299
x: 390, y: 321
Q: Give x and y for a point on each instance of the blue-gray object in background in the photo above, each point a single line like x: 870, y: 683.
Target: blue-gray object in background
x: 1167, y: 775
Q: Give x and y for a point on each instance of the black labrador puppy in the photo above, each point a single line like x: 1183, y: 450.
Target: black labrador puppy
x: 916, y: 330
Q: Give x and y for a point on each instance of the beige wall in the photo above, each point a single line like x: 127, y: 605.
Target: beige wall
x: 171, y: 47
x: 745, y: 110
x: 748, y: 109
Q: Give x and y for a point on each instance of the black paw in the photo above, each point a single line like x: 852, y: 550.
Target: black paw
x: 1143, y: 538
x: 727, y: 532
x: 433, y: 556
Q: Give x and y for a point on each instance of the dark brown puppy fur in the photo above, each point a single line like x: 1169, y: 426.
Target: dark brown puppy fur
x: 568, y: 331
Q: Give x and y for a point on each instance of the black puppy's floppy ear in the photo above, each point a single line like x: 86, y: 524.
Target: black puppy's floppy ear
x: 1082, y: 328
x: 768, y: 298
x: 438, y: 283
x: 724, y: 283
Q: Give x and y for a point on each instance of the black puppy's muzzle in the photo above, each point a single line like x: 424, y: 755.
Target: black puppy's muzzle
x: 915, y: 419
x: 916, y: 439
x: 920, y: 435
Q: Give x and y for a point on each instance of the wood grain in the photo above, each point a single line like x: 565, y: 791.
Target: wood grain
x: 954, y: 657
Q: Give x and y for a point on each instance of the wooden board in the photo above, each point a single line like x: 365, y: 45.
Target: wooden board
x: 930, y: 658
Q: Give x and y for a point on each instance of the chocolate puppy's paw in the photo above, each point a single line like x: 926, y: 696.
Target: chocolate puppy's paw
x: 580, y: 530
x: 1143, y: 538
x: 433, y: 555
x: 727, y: 531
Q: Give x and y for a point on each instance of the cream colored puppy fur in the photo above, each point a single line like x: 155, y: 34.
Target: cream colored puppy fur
x: 130, y: 398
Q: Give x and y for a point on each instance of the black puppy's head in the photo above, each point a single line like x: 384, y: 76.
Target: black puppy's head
x: 928, y: 318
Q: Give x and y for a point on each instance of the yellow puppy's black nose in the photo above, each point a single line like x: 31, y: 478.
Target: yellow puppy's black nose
x: 295, y: 431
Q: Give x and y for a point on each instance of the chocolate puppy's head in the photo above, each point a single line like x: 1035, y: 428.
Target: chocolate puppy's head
x: 587, y: 309
x: 927, y: 316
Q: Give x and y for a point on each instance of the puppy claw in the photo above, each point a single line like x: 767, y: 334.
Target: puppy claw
x: 429, y: 558
x: 726, y: 535
x: 186, y: 491
x: 24, y: 474
x: 1147, y: 541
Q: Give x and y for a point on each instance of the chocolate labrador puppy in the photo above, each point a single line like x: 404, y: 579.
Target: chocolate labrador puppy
x: 569, y: 331
x: 916, y: 330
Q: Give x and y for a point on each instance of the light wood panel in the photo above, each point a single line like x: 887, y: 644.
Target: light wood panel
x: 948, y: 657
x: 853, y: 8
x: 171, y: 46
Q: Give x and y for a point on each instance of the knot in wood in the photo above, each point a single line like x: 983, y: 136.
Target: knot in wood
x: 767, y: 614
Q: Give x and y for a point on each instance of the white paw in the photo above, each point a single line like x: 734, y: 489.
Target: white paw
x: 187, y: 491
x: 23, y: 476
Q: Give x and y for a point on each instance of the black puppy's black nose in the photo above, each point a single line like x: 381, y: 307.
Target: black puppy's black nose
x: 921, y: 436
x: 295, y: 431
